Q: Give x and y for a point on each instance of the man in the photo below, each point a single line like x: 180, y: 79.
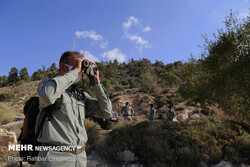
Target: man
x: 170, y: 113
x: 127, y: 111
x: 65, y: 126
x: 152, y: 112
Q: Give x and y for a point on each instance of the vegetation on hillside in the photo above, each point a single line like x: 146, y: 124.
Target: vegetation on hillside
x: 165, y: 143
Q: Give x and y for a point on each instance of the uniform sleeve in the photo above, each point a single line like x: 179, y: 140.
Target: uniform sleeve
x: 50, y: 90
x: 100, y: 106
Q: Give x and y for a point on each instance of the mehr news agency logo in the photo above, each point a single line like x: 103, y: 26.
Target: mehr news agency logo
x: 29, y: 147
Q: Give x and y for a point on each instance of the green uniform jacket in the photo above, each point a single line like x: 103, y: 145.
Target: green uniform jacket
x: 66, y: 127
x: 127, y: 111
x: 152, y: 113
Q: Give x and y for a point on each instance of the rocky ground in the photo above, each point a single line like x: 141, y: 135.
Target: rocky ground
x: 139, y: 101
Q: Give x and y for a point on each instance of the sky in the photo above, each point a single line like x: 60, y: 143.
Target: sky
x: 34, y: 33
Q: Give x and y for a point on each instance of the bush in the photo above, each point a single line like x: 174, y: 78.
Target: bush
x: 162, y: 116
x: 6, y: 96
x: 6, y: 114
x: 165, y: 143
x: 106, y: 83
x: 93, y: 131
x: 118, y: 88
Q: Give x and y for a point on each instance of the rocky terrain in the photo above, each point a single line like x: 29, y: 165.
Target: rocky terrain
x: 139, y: 101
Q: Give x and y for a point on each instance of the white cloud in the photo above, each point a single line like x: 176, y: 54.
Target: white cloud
x: 104, y: 44
x: 97, y: 38
x: 130, y: 21
x: 89, y: 56
x: 114, y: 54
x: 89, y: 34
x: 140, y: 42
x: 146, y: 29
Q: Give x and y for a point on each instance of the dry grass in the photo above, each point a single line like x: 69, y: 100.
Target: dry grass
x: 7, y: 114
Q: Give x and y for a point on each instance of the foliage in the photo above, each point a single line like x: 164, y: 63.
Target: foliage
x: 6, y: 114
x: 106, y: 83
x: 93, y: 131
x: 6, y: 96
x: 13, y: 75
x: 24, y: 75
x: 165, y: 143
x: 223, y: 72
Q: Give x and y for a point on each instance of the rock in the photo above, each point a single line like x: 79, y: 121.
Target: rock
x: 133, y: 165
x: 144, y: 105
x: 91, y: 163
x: 188, y: 112
x: 223, y: 164
x: 202, y: 164
x: 163, y: 108
x: 2, y: 164
x: 126, y: 156
x: 194, y: 117
x: 244, y: 165
x: 13, y: 126
x: 182, y: 117
x: 7, y: 137
x: 175, y: 120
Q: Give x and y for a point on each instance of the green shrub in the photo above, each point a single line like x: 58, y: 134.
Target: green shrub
x: 118, y: 88
x: 6, y: 96
x: 165, y: 143
x: 106, y: 83
x: 132, y: 85
x: 162, y: 116
x: 93, y: 131
x: 6, y: 114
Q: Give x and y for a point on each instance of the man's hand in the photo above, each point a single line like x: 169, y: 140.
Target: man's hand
x: 77, y: 66
x: 96, y: 76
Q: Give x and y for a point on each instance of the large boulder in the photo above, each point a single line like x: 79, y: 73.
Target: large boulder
x: 182, y: 117
x: 194, y: 117
x: 163, y: 108
x: 223, y: 164
x: 126, y: 156
x: 13, y: 126
x: 7, y: 137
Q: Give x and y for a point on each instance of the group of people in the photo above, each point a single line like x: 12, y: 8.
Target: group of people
x: 127, y: 111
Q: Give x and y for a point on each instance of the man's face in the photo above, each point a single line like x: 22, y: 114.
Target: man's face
x: 65, y: 68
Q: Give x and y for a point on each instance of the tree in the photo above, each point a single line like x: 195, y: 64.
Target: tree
x: 13, y: 75
x: 3, y: 81
x: 24, y: 75
x: 227, y: 63
x: 223, y: 72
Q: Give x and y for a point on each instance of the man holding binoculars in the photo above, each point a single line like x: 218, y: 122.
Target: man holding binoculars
x: 65, y: 125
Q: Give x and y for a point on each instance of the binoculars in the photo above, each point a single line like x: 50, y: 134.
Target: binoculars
x: 91, y: 69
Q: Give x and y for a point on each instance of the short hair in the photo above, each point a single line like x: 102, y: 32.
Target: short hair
x: 152, y: 105
x: 65, y: 56
x: 127, y: 103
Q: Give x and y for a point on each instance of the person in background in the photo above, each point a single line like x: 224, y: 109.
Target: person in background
x: 152, y: 112
x: 170, y: 114
x: 127, y: 111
